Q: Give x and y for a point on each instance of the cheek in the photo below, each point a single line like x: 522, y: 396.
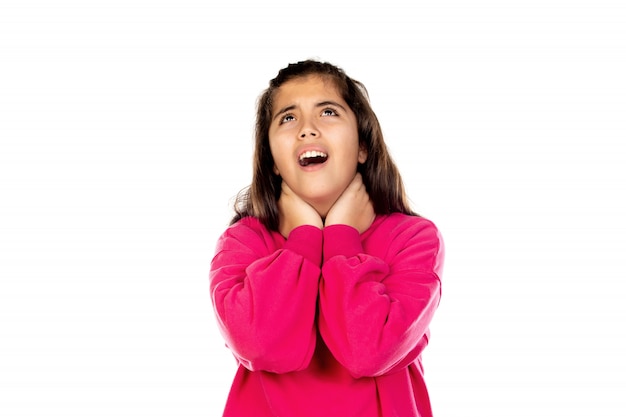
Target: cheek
x: 272, y: 148
x: 278, y: 157
x: 355, y: 150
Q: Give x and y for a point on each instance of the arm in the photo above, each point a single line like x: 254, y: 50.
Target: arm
x: 265, y: 296
x: 375, y: 312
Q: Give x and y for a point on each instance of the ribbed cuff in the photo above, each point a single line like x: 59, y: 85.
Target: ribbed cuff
x: 306, y: 240
x: 341, y: 239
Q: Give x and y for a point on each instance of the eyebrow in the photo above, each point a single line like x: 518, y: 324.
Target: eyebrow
x: 320, y: 104
x: 284, y: 110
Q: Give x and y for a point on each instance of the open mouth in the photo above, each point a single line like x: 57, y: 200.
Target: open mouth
x: 312, y: 157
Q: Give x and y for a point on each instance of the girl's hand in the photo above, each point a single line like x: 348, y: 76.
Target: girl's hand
x: 353, y: 207
x: 294, y: 211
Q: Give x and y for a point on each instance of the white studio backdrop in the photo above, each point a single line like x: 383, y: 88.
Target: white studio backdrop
x: 126, y: 130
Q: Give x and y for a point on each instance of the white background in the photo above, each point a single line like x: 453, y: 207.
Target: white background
x: 126, y: 129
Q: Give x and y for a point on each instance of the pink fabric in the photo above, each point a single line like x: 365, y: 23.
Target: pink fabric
x: 328, y: 322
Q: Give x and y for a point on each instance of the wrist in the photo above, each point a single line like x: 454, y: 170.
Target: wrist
x: 341, y: 239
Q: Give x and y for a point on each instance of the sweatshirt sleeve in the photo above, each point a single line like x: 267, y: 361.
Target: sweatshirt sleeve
x: 375, y: 310
x: 265, y: 296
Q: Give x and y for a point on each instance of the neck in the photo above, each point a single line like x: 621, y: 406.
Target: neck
x: 321, y: 208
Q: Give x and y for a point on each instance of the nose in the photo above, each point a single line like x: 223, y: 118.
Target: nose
x: 308, y: 129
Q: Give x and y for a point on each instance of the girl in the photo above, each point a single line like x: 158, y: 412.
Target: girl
x: 326, y: 281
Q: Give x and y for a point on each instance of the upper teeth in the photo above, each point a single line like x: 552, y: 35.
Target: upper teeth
x: 312, y: 154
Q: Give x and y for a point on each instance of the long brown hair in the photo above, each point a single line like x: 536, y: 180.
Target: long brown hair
x: 380, y: 174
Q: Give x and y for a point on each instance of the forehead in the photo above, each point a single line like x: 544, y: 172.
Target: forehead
x: 314, y: 87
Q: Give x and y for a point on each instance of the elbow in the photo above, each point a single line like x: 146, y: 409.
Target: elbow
x: 275, y: 364
x: 366, y: 365
x: 361, y: 369
x: 382, y: 361
x: 278, y: 358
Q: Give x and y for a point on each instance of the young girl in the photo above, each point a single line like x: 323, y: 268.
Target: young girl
x: 326, y: 281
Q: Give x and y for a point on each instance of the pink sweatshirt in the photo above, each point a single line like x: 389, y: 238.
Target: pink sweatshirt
x: 328, y: 323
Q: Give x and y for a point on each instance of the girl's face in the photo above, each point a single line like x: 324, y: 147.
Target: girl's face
x: 314, y: 140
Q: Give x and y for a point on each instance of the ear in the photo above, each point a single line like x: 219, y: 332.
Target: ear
x: 362, y: 154
x: 275, y: 169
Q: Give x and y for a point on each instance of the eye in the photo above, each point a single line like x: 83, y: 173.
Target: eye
x: 287, y: 118
x: 329, y: 112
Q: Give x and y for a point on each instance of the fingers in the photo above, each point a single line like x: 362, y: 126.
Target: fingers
x: 284, y: 188
x: 357, y: 181
x: 357, y: 188
x: 353, y: 207
x: 293, y: 211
